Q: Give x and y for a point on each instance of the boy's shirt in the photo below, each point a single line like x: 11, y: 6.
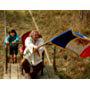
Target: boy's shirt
x: 11, y: 39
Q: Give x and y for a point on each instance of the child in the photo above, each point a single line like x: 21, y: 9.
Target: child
x: 12, y: 41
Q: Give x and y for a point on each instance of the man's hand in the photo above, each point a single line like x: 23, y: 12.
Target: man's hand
x: 36, y: 50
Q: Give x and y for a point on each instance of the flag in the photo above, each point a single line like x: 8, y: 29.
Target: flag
x: 86, y: 52
x: 63, y: 39
x: 69, y: 40
x: 80, y: 35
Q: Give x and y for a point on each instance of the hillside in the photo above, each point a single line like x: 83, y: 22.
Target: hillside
x: 52, y: 23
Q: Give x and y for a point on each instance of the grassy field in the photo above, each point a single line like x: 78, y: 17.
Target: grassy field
x: 52, y: 23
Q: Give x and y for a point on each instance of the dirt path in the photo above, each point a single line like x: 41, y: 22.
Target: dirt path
x: 14, y: 72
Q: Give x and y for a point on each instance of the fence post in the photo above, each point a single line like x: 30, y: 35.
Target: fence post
x: 54, y: 59
x: 6, y: 62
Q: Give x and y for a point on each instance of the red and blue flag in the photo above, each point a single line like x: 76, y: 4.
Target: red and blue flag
x: 70, y: 40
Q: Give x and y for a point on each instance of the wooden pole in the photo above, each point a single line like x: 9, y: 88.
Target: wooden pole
x: 37, y: 28
x: 5, y: 23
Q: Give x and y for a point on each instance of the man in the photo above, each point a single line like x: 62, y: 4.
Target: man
x: 33, y: 51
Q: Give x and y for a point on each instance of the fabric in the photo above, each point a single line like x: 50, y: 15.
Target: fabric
x: 24, y: 36
x: 80, y: 35
x: 11, y: 39
x: 86, y: 52
x: 26, y: 66
x: 33, y: 58
x: 63, y: 39
x: 78, y: 45
x: 13, y: 47
x: 13, y: 50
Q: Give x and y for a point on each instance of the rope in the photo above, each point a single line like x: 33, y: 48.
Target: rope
x: 5, y: 23
x: 6, y: 50
x: 37, y: 28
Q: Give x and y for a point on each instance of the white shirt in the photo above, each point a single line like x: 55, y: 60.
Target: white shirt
x: 28, y: 52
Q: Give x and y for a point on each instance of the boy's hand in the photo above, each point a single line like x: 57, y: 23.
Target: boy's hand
x: 13, y: 42
x: 7, y: 43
